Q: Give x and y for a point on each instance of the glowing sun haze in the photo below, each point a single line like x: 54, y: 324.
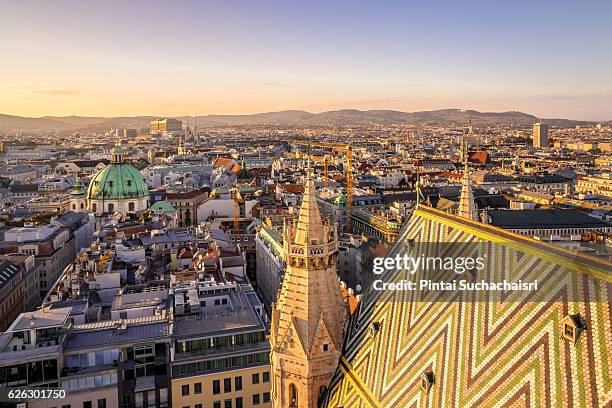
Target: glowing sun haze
x: 549, y: 58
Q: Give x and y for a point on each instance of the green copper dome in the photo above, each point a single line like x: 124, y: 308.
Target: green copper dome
x: 117, y: 181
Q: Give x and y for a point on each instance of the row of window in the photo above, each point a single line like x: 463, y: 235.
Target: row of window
x: 192, y: 346
x: 202, y: 367
x: 227, y: 384
x: 94, y: 381
x: 239, y: 402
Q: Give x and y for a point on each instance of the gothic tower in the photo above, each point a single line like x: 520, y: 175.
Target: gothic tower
x: 308, y: 317
x: 467, y: 206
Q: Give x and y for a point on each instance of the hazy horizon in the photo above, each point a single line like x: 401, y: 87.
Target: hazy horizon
x: 191, y: 115
x: 548, y: 58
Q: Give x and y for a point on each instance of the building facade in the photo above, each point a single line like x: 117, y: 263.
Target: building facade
x: 540, y: 135
x: 165, y: 125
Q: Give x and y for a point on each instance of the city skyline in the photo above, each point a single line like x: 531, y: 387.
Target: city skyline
x: 241, y: 58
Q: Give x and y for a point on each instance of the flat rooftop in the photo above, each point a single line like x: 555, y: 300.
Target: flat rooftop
x: 40, y: 319
x: 226, y: 321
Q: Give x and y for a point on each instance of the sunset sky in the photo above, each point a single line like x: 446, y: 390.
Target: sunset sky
x: 548, y: 58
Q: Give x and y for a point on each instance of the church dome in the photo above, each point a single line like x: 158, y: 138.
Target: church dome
x: 117, y: 181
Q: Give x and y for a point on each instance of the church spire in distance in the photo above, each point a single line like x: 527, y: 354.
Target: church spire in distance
x: 467, y: 206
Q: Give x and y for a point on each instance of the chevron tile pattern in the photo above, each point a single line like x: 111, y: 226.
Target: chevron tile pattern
x: 486, y: 349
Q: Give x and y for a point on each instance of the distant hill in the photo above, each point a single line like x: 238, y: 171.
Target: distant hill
x: 446, y: 117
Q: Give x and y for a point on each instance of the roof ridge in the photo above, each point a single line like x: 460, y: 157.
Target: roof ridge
x: 598, y: 267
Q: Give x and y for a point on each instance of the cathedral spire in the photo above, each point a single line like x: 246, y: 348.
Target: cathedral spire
x: 309, y: 314
x: 310, y: 226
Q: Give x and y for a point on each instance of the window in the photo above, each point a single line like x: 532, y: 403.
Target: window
x: 227, y: 385
x: 217, y: 302
x: 185, y: 389
x: 266, y: 397
x: 427, y: 381
x: 111, y: 208
x: 228, y: 403
x: 293, y: 395
x: 217, y: 404
x: 573, y: 326
x: 255, y: 378
x: 197, y: 388
x: 217, y: 388
x: 197, y: 406
x: 266, y: 376
x: 239, y: 402
x: 66, y: 406
x: 131, y: 206
x: 255, y: 399
x: 102, y: 403
x: 325, y: 347
x: 238, y: 383
x: 87, y: 404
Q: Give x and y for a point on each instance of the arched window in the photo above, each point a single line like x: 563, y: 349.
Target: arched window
x: 74, y: 206
x: 322, y: 391
x: 293, y: 396
x: 131, y: 207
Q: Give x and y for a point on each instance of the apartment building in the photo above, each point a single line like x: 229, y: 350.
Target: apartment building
x: 220, y: 350
x: 600, y: 185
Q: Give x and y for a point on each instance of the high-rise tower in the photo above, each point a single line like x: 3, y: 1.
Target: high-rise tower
x: 540, y: 134
x: 308, y: 317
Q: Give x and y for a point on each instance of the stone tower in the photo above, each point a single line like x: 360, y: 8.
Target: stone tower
x: 467, y: 206
x: 308, y: 317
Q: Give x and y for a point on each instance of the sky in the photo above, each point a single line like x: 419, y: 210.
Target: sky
x: 548, y: 58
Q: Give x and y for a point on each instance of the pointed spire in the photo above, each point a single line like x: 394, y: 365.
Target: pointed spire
x: 310, y: 225
x: 467, y: 207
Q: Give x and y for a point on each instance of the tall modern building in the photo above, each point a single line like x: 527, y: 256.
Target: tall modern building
x: 309, y: 315
x: 165, y: 125
x: 540, y: 134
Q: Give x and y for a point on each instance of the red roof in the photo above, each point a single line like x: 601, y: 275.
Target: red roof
x: 222, y: 161
x: 479, y: 157
x: 292, y: 188
x: 351, y: 299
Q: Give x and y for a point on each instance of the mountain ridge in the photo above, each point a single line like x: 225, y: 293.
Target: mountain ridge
x: 448, y: 116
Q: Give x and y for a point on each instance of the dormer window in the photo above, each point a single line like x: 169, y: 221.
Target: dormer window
x: 110, y: 184
x: 573, y: 326
x: 325, y: 347
x: 129, y: 183
x: 374, y: 328
x: 427, y: 381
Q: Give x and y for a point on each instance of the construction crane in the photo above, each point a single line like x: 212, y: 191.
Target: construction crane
x: 348, y: 151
